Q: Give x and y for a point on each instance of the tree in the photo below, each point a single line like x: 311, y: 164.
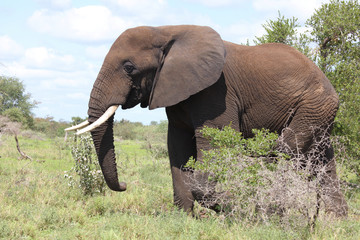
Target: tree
x: 283, y: 30
x: 279, y: 31
x: 14, y: 102
x: 77, y: 120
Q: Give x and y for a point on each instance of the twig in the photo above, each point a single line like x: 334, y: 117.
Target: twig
x: 23, y: 155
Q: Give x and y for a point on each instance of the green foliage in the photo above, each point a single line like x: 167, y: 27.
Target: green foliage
x: 77, y: 120
x: 283, y: 30
x: 14, y: 114
x: 228, y: 147
x: 14, y: 102
x: 336, y: 31
x: 261, y: 144
x: 50, y: 127
x: 127, y: 130
x: 90, y: 178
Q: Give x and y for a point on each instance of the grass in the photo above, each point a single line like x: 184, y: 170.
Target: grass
x: 37, y: 203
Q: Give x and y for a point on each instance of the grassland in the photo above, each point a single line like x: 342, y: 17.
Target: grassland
x: 37, y: 203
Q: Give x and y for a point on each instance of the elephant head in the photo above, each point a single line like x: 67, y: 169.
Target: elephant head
x: 153, y: 66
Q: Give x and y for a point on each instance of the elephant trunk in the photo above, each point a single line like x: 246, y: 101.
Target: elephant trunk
x: 103, y: 138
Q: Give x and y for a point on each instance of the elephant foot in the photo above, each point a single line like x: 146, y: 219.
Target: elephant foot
x: 336, y: 205
x: 334, y: 200
x: 184, y: 203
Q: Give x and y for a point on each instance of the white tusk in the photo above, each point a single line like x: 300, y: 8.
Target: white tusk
x: 109, y: 112
x: 80, y: 125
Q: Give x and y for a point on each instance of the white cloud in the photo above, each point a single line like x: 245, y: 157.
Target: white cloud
x: 43, y: 79
x: 85, y: 24
x: 9, y: 49
x: 44, y: 58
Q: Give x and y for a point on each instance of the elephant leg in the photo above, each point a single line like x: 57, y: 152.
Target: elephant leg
x: 308, y: 139
x: 330, y: 188
x: 202, y: 189
x: 181, y: 146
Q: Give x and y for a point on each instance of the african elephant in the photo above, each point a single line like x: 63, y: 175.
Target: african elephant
x: 202, y: 80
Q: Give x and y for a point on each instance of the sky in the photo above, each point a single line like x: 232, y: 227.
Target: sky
x: 56, y: 47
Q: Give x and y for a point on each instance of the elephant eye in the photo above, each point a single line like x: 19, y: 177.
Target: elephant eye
x: 128, y: 67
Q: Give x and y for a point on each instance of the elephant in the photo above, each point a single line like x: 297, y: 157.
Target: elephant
x: 202, y: 80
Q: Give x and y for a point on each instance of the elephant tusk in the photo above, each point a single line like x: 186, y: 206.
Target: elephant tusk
x: 80, y: 125
x: 109, y: 112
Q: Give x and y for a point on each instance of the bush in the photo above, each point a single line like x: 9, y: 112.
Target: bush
x: 256, y: 182
x: 155, y: 136
x: 89, y: 176
x: 127, y: 130
x: 9, y: 127
x: 50, y: 127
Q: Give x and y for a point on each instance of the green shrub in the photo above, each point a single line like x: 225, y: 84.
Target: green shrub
x: 229, y: 144
x: 50, y: 127
x: 88, y: 177
x: 15, y: 115
x: 127, y: 130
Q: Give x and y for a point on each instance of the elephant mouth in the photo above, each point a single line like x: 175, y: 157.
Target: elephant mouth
x: 144, y: 104
x: 135, y: 97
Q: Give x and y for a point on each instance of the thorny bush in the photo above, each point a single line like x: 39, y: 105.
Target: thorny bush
x: 255, y: 181
x: 89, y: 176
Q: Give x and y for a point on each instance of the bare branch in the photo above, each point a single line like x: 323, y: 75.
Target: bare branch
x: 23, y: 155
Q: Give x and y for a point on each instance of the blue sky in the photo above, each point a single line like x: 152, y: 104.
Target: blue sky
x: 56, y: 47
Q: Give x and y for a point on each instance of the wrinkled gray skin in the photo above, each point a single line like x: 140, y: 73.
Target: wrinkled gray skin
x: 203, y: 80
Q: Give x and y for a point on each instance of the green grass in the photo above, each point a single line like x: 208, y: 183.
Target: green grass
x: 37, y: 203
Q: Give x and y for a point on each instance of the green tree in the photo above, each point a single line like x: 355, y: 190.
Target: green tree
x: 281, y: 30
x: 77, y: 120
x: 284, y: 30
x: 14, y: 102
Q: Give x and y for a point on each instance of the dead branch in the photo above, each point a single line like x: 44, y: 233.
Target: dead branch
x: 23, y: 155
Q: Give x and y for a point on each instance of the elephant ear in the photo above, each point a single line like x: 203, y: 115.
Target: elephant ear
x: 193, y: 59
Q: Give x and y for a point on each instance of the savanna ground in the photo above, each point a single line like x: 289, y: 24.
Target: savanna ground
x: 37, y: 202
